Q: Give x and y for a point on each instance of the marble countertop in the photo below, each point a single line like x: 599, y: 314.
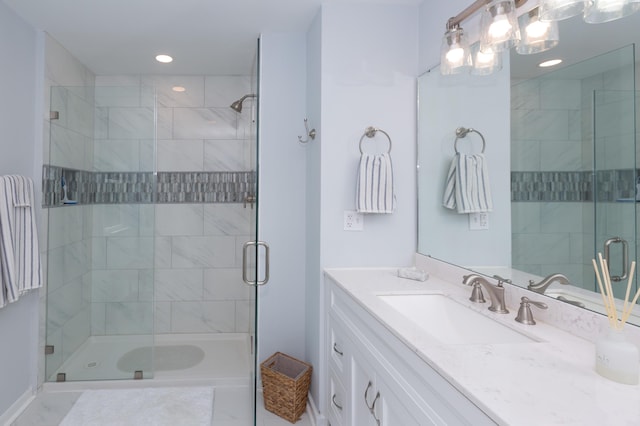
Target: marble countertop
x: 548, y: 382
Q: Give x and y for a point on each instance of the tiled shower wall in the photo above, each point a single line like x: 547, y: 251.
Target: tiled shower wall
x: 100, y: 257
x: 547, y: 236
x: 552, y: 161
x: 196, y: 274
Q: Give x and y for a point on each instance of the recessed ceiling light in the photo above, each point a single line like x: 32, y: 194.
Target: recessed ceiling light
x: 165, y: 59
x: 178, y: 89
x: 549, y: 63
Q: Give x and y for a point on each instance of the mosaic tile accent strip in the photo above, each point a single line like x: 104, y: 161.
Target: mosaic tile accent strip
x: 140, y: 187
x: 610, y: 186
x: 616, y: 185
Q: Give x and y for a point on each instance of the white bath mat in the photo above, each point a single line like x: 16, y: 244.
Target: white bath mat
x: 192, y: 406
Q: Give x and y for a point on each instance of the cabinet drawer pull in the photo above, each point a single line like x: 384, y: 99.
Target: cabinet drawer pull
x: 333, y: 399
x: 336, y: 350
x: 366, y: 400
x: 373, y: 408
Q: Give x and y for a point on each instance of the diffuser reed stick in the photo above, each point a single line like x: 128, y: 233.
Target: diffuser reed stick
x: 606, y: 290
x: 605, y: 300
x: 609, y: 288
x: 626, y: 295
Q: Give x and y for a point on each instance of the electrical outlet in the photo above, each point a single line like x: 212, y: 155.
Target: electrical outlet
x: 478, y: 221
x: 353, y: 221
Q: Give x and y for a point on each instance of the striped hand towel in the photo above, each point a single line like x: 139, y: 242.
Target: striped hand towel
x: 20, y: 267
x: 374, y: 190
x: 467, y: 188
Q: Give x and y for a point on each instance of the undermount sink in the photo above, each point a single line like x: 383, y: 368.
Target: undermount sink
x: 451, y: 322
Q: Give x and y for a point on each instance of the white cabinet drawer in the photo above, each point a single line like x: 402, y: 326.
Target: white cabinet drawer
x: 338, y: 401
x: 338, y: 349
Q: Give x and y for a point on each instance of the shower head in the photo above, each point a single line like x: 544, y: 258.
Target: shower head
x: 237, y: 105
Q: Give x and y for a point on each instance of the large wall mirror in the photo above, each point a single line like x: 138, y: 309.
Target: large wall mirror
x: 565, y: 180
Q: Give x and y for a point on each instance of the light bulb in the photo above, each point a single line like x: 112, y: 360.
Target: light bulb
x: 499, y: 28
x: 455, y: 55
x: 550, y: 63
x: 165, y: 59
x: 537, y: 29
x: 483, y: 58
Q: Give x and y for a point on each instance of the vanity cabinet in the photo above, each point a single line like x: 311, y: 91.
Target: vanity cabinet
x: 375, y: 379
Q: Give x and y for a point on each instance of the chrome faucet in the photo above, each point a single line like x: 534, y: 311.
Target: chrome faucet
x: 496, y: 292
x: 546, y: 282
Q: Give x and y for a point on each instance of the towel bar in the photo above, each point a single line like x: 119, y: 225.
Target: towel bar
x: 461, y: 132
x: 370, y: 132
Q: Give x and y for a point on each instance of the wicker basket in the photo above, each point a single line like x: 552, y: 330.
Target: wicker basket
x: 285, y: 383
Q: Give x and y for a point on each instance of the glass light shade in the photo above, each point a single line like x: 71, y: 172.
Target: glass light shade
x: 536, y: 35
x: 485, y: 62
x: 455, y: 57
x: 499, y: 26
x: 557, y: 10
x: 608, y: 10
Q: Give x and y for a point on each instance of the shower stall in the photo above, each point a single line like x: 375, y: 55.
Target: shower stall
x: 573, y: 169
x: 150, y: 194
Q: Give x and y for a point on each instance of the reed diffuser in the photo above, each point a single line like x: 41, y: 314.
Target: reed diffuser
x: 616, y: 358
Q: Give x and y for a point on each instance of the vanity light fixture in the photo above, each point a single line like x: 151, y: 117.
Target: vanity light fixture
x: 165, y: 59
x: 455, y: 56
x: 537, y: 35
x: 502, y: 26
x: 500, y: 30
x: 549, y: 63
x: 499, y: 26
x: 178, y: 89
x: 600, y: 11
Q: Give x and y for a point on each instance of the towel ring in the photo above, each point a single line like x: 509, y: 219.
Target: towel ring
x: 461, y: 132
x: 371, y: 132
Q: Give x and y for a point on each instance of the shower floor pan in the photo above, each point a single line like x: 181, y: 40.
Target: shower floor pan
x: 221, y: 359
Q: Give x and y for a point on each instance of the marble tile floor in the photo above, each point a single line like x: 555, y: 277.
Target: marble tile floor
x: 230, y: 409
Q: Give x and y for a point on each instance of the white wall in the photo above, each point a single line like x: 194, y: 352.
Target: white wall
x: 368, y: 63
x: 313, y: 305
x: 18, y: 320
x: 282, y: 221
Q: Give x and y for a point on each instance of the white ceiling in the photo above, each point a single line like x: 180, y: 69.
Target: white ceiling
x: 220, y: 36
x: 579, y: 41
x: 203, y: 36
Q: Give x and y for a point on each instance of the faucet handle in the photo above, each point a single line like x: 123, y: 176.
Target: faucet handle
x: 502, y: 280
x: 476, y: 293
x: 525, y: 316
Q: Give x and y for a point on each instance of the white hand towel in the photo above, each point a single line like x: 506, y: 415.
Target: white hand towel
x: 20, y: 266
x: 374, y: 190
x: 8, y: 281
x: 467, y: 188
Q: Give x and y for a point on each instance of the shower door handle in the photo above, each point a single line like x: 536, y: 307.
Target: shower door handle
x: 266, y: 263
x: 625, y: 257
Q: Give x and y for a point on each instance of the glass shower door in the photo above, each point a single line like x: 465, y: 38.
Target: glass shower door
x: 99, y: 185
x: 616, y: 180
x: 251, y: 269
